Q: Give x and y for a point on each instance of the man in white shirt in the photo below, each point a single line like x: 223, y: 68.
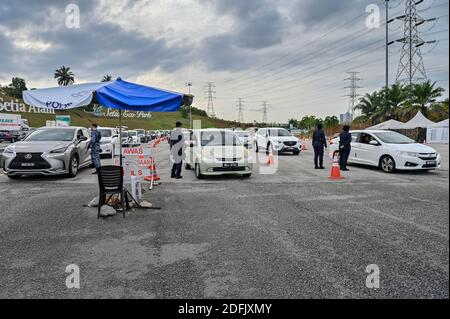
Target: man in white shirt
x: 176, y: 141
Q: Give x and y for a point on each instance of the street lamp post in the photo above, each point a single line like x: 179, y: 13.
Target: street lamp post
x: 189, y: 85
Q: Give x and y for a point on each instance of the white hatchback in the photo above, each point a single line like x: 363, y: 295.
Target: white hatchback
x: 388, y: 150
x: 217, y: 152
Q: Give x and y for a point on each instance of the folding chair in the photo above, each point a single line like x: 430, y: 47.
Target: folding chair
x: 110, y: 181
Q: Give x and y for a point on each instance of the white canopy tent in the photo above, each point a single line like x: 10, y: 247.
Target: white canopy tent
x: 418, y: 121
x: 388, y: 125
x: 438, y: 132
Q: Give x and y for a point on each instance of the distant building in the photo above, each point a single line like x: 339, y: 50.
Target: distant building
x: 345, y: 118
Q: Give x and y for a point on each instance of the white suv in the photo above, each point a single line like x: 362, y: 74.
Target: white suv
x: 109, y: 144
x: 279, y: 139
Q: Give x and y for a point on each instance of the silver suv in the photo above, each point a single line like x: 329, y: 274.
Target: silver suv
x: 48, y: 151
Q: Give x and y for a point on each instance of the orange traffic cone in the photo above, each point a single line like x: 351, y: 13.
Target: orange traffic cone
x: 270, y: 160
x: 304, y: 147
x: 335, y: 169
x: 153, y: 175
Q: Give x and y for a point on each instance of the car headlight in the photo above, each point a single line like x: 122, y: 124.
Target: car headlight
x: 8, y: 150
x: 60, y: 150
x: 412, y: 154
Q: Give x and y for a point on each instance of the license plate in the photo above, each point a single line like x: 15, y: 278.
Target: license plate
x: 431, y: 162
x: 27, y: 164
x: 230, y: 165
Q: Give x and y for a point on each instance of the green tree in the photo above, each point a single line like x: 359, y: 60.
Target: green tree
x: 107, y: 78
x: 308, y: 122
x: 370, y: 104
x: 389, y: 107
x: 15, y: 88
x: 64, y: 76
x: 439, y: 111
x: 331, y: 122
x: 420, y: 98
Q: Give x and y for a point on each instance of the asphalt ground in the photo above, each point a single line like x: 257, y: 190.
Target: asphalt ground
x: 292, y: 234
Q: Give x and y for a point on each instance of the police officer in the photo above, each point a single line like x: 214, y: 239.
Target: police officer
x: 176, y: 141
x: 345, y: 140
x: 319, y: 143
x: 94, y: 146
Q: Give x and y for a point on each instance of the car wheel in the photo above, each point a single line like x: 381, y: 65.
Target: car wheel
x: 14, y: 176
x: 256, y: 147
x: 187, y: 166
x: 73, y: 166
x: 247, y: 175
x: 387, y: 164
x: 296, y: 152
x: 198, y: 172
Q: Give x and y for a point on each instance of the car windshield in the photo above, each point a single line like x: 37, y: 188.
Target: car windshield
x: 219, y: 138
x: 140, y: 132
x: 51, y: 135
x: 124, y: 134
x: 105, y: 132
x: 393, y: 138
x: 279, y: 132
x: 242, y: 134
x: 132, y: 133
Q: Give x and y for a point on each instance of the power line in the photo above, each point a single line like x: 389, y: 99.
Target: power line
x: 264, y: 110
x: 240, y: 108
x: 353, y: 79
x: 411, y: 67
x: 210, y: 91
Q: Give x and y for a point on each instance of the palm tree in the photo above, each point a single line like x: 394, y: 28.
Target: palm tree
x: 369, y: 104
x: 391, y: 104
x: 64, y: 76
x: 421, y: 97
x: 107, y: 78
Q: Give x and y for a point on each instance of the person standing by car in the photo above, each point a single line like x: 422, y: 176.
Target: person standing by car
x: 94, y: 146
x: 345, y: 140
x: 319, y: 143
x: 176, y: 142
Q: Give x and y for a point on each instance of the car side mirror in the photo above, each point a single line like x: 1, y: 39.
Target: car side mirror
x: 191, y: 144
x: 373, y: 142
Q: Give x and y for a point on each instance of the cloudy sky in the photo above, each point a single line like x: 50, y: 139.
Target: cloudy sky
x: 294, y: 54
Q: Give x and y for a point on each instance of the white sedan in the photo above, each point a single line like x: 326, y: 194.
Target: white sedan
x: 388, y: 150
x: 217, y: 152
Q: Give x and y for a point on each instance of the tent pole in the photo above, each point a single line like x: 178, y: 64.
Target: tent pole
x: 120, y: 135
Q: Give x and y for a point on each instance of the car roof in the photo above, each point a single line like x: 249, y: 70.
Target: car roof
x: 60, y: 127
x: 369, y: 131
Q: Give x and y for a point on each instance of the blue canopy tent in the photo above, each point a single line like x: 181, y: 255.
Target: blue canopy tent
x: 116, y: 94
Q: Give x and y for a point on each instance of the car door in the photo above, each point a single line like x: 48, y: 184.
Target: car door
x: 83, y: 145
x: 355, y: 147
x: 261, y: 138
x: 368, y: 153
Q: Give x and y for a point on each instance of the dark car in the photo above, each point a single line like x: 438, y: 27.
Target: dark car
x: 10, y: 136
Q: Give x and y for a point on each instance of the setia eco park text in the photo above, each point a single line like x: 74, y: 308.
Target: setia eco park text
x: 16, y: 106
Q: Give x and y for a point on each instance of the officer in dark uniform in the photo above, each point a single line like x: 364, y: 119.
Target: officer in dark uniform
x: 94, y: 146
x: 319, y: 143
x: 345, y: 140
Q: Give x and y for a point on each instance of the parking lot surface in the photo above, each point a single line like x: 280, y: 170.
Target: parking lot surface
x: 292, y: 234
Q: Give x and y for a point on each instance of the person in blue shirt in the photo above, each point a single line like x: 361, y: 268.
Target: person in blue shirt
x: 94, y: 146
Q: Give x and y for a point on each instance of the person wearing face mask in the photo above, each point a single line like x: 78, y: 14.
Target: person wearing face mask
x: 94, y: 146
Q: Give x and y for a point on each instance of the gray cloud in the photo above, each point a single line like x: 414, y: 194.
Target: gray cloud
x: 91, y: 51
x: 311, y: 13
x: 258, y: 24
